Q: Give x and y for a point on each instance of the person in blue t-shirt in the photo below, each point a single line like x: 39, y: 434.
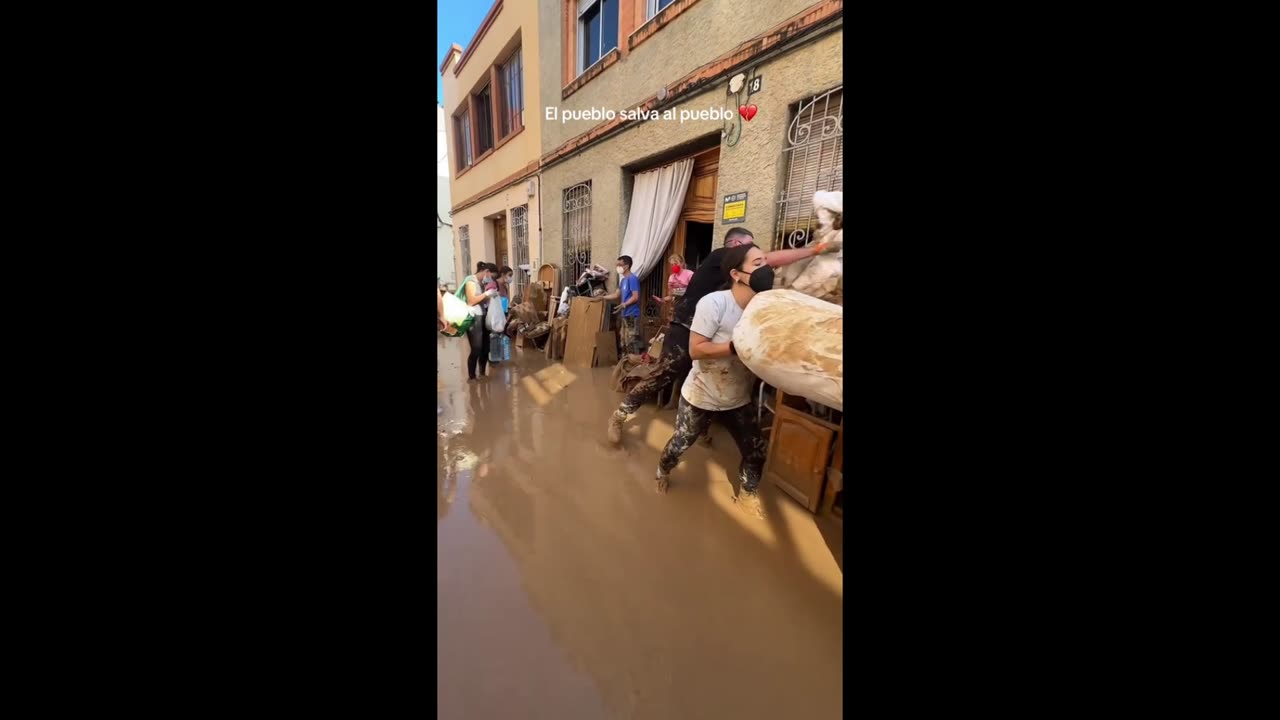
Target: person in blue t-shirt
x: 629, y: 292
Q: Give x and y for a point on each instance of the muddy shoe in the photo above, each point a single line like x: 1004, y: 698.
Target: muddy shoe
x: 662, y: 481
x: 615, y: 426
x: 749, y: 502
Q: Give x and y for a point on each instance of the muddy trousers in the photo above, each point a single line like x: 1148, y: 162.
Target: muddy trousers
x: 672, y: 367
x: 478, y: 337
x: 742, y: 426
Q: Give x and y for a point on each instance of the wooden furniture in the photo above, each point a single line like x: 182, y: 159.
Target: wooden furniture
x: 799, y: 447
x: 835, y: 479
x: 585, y: 318
x: 606, y: 349
x: 550, y: 278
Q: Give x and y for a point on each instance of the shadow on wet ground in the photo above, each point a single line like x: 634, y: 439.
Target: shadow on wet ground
x: 568, y: 588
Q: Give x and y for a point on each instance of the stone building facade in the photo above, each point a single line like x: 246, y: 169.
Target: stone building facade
x: 678, y: 58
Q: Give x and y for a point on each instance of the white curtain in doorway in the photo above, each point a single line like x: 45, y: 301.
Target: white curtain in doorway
x: 656, y: 201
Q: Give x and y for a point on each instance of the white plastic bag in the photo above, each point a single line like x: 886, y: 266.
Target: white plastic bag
x: 457, y: 314
x: 496, y: 320
x: 795, y: 343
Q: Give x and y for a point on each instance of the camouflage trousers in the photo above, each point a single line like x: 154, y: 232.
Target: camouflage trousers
x: 742, y: 426
x: 632, y: 336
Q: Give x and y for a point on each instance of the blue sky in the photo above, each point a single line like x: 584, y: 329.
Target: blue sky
x: 458, y: 21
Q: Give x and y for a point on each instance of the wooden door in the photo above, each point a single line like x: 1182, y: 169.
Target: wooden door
x: 699, y: 206
x: 798, y: 450
x: 700, y: 198
x: 500, y: 253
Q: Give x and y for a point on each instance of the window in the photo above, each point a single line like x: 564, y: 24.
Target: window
x: 520, y: 233
x: 597, y: 31
x: 511, y: 95
x: 484, y: 120
x: 464, y: 239
x: 576, y: 232
x: 462, y: 133
x: 813, y: 160
x: 653, y: 7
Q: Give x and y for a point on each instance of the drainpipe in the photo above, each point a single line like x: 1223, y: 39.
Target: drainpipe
x: 540, y: 255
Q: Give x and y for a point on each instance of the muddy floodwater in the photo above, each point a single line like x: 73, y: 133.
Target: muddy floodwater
x: 569, y: 589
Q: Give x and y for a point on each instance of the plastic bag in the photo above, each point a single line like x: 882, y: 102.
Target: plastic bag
x: 564, y: 304
x: 458, y: 315
x: 496, y: 320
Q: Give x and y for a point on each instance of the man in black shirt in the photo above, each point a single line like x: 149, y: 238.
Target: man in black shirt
x: 675, y: 362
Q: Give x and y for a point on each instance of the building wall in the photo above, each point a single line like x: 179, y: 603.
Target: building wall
x: 446, y: 269
x: 753, y: 165
x: 481, y: 229
x: 498, y: 183
x: 518, y: 17
x: 701, y: 33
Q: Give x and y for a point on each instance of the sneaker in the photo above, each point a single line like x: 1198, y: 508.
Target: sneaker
x: 749, y: 502
x: 615, y: 426
x: 663, y: 481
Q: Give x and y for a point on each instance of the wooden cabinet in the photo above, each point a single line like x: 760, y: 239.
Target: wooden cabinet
x: 799, y: 446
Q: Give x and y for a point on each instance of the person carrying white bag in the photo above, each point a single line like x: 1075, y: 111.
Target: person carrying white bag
x: 477, y: 334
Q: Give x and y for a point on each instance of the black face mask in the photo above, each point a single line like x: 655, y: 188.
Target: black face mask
x: 761, y: 279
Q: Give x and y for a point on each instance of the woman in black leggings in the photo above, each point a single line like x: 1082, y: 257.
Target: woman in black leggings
x: 478, y: 335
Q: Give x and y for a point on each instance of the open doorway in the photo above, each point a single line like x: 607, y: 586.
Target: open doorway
x: 697, y: 242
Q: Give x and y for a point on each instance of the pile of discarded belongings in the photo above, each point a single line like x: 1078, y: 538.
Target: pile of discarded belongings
x: 591, y: 283
x: 525, y: 318
x: 632, y: 368
x: 821, y: 277
x: 630, y: 371
x: 792, y: 337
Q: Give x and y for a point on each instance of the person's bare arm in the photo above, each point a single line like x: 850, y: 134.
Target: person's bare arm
x: 701, y: 348
x: 780, y: 258
x: 473, y: 297
x: 610, y: 297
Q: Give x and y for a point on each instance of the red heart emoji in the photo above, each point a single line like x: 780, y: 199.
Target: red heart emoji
x: 747, y: 111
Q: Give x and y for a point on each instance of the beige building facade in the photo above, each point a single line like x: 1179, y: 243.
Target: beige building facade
x: 752, y: 91
x: 491, y: 97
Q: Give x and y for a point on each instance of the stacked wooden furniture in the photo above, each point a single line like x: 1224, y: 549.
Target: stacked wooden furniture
x: 805, y: 459
x: 586, y: 319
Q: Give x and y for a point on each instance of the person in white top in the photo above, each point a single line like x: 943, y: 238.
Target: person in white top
x: 719, y: 386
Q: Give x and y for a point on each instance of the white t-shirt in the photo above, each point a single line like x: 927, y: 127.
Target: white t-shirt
x: 723, y: 383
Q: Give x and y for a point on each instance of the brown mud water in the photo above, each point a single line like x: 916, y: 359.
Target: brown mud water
x: 567, y: 588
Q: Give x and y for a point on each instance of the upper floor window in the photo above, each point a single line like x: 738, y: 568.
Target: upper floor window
x: 511, y: 95
x: 597, y: 31
x: 653, y: 7
x: 484, y: 120
x: 462, y: 133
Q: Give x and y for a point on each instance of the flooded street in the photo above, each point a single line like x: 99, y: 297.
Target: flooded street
x: 569, y: 589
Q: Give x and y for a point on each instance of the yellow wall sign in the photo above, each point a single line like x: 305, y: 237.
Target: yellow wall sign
x: 735, y: 208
